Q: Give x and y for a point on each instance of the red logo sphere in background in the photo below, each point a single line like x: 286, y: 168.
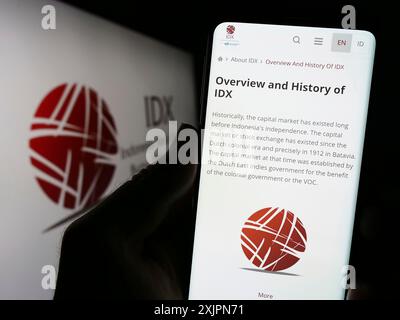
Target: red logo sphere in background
x: 230, y: 29
x: 73, y: 140
x: 272, y: 238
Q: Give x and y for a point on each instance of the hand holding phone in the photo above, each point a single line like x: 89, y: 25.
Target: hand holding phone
x: 284, y: 129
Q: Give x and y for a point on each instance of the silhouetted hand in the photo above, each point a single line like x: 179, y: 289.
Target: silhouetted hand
x: 137, y: 243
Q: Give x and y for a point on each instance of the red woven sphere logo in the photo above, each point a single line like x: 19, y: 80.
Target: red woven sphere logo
x: 230, y: 29
x: 73, y: 140
x: 272, y: 239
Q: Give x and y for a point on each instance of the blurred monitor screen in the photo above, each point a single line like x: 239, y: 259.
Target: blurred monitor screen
x: 76, y: 103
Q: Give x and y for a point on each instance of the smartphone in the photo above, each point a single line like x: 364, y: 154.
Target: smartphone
x: 284, y: 123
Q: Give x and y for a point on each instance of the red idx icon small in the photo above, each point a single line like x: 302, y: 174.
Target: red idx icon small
x: 230, y: 29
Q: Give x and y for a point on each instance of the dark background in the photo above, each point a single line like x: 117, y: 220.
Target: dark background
x: 187, y: 26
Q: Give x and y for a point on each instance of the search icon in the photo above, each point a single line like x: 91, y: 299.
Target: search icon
x: 296, y: 39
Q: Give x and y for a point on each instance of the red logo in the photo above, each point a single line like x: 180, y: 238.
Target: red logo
x: 230, y: 29
x: 73, y: 141
x: 272, y: 239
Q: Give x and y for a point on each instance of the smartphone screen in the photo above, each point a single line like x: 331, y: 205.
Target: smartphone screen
x: 282, y: 149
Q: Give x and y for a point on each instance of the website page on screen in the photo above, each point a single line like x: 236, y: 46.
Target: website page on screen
x: 282, y: 150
